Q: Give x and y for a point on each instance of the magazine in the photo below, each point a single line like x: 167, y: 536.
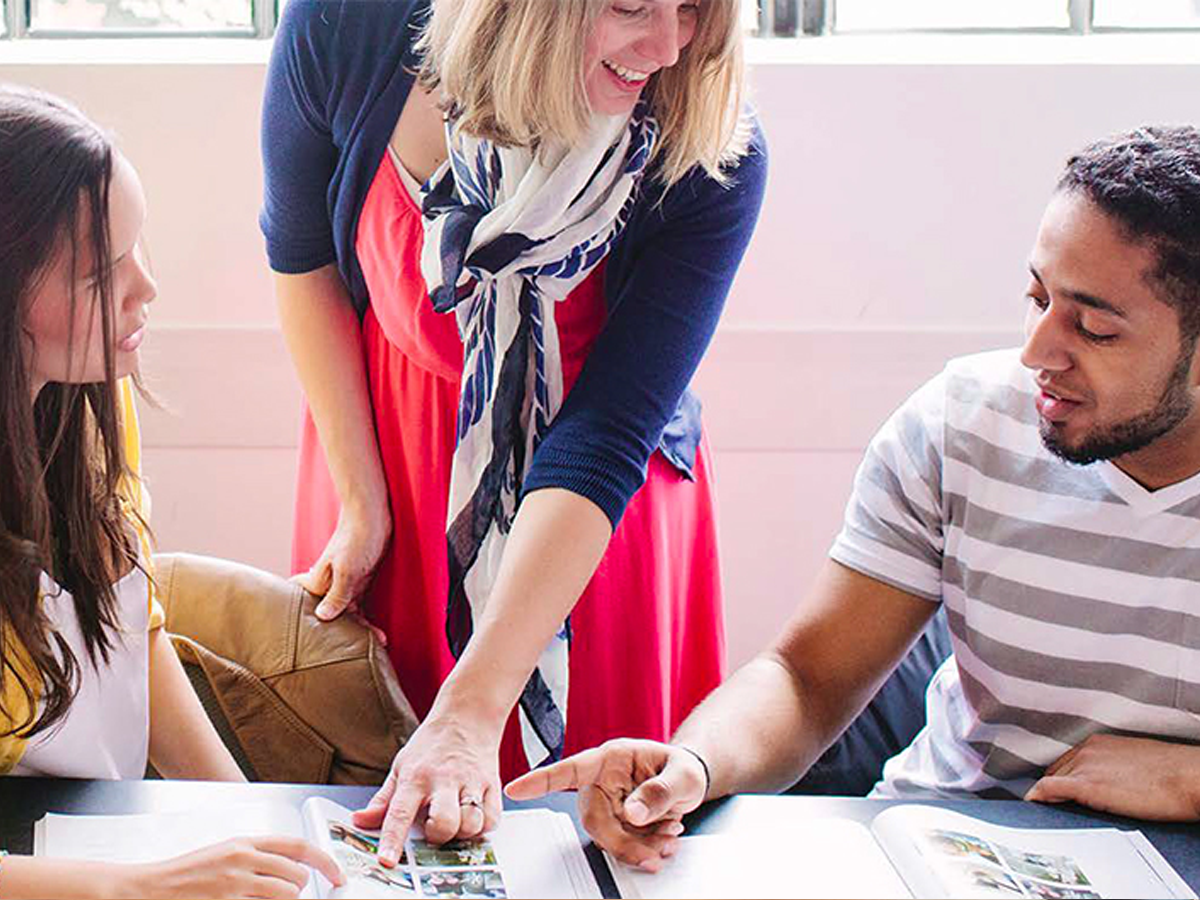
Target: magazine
x: 909, y: 851
x: 534, y: 853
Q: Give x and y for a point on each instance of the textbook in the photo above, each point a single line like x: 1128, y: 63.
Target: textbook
x: 534, y: 853
x: 908, y: 851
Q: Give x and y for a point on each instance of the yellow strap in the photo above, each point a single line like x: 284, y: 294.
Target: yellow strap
x: 16, y: 703
x: 134, y: 491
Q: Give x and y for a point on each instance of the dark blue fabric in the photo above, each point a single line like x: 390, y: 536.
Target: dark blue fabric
x: 854, y: 763
x: 339, y: 75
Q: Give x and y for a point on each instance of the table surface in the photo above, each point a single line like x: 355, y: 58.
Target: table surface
x: 25, y: 800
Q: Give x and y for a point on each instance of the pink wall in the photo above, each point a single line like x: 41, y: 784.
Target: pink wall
x: 902, y: 201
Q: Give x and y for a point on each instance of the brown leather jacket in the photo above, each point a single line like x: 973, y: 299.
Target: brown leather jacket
x: 295, y: 699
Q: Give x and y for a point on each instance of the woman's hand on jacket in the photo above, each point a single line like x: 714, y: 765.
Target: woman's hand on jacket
x: 344, y: 569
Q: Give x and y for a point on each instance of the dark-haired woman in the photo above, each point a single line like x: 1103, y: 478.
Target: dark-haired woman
x: 90, y: 686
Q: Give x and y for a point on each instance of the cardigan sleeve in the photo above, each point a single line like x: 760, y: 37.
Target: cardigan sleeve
x: 298, y: 148
x: 663, y: 315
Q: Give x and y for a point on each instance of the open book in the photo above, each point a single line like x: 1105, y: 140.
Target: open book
x: 909, y: 850
x: 534, y: 853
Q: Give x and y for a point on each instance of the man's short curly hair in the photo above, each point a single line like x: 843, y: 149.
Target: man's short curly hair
x: 1148, y: 181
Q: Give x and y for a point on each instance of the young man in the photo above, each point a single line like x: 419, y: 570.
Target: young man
x: 1049, y: 498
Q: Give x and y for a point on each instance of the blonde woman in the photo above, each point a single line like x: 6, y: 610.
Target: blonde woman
x: 503, y: 232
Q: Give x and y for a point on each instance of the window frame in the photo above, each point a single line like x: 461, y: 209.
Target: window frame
x: 813, y: 18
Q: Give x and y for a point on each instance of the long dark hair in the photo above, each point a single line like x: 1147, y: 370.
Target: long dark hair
x: 61, y: 456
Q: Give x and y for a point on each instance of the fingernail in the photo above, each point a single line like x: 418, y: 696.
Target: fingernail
x: 675, y: 828
x: 669, y: 848
x: 324, y: 612
x: 650, y: 865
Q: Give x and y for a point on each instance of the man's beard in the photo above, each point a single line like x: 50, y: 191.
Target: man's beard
x: 1174, y: 405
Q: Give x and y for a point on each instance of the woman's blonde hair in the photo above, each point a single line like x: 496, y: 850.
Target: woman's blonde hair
x: 512, y: 71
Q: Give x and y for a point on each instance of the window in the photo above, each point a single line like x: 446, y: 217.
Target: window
x: 91, y: 18
x: 914, y: 15
x: 817, y: 17
x: 1145, y: 14
x: 257, y: 18
x: 141, y: 15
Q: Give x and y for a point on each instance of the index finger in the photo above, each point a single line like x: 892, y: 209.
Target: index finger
x: 570, y: 774
x: 302, y: 851
x: 402, y: 809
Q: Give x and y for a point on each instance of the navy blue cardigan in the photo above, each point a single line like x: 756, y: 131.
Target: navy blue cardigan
x: 339, y: 75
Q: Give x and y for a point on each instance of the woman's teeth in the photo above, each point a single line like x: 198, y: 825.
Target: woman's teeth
x: 629, y: 76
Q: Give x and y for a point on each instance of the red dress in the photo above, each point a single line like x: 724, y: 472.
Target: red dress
x: 648, y: 640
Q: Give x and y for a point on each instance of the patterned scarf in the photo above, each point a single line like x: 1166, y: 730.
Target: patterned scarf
x: 509, y: 233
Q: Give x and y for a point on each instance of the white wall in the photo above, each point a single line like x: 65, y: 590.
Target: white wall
x: 902, y: 202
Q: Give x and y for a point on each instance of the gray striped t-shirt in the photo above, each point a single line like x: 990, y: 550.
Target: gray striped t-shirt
x: 1073, y: 593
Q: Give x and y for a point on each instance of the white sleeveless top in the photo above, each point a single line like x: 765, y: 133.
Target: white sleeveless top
x: 106, y: 731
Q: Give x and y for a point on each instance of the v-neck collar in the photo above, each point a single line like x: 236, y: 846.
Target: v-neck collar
x: 1142, y: 500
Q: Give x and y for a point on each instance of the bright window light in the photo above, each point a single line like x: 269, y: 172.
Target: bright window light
x: 1146, y: 14
x: 894, y: 15
x: 141, y: 15
x: 750, y: 15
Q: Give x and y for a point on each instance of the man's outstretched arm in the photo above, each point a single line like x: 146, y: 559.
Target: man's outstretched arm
x: 759, y: 731
x: 764, y: 728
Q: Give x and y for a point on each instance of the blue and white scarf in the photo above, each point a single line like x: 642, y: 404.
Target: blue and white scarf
x: 509, y: 233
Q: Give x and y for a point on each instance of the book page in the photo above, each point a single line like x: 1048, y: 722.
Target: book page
x: 941, y: 853
x: 534, y: 853
x: 151, y: 837
x: 833, y: 858
x: 148, y: 837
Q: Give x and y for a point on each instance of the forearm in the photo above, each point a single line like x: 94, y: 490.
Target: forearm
x: 556, y: 542
x: 756, y: 731
x: 36, y: 877
x: 764, y: 728
x: 324, y: 338
x: 183, y: 742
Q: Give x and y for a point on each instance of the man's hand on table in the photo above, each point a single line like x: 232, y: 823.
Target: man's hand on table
x: 1141, y: 778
